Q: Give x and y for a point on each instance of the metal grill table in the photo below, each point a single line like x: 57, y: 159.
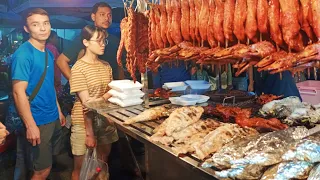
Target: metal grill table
x: 161, y: 163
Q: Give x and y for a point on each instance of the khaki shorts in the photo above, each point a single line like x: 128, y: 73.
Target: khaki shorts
x: 105, y: 133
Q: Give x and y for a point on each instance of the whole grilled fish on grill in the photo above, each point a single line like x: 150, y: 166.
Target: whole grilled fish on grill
x: 150, y: 114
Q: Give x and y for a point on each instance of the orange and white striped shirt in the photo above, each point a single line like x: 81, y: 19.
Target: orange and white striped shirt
x: 91, y: 77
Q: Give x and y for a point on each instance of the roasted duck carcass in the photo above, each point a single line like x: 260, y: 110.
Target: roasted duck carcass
x: 175, y: 29
x: 262, y: 16
x: 290, y: 24
x: 169, y: 21
x: 185, y: 20
x: 307, y: 19
x: 240, y: 17
x: 163, y: 22
x: 217, y: 138
x: 251, y: 22
x: 262, y: 124
x: 274, y: 21
x: 218, y: 21
x: 315, y: 8
x: 192, y: 23
x: 265, y: 98
x: 229, y: 7
x: 203, y: 20
x: 150, y: 114
x: 210, y: 32
x: 228, y: 51
x: 157, y: 15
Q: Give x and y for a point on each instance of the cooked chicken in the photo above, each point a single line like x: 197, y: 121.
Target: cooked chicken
x: 306, y: 11
x: 185, y: 20
x: 315, y: 7
x: 169, y: 21
x: 229, y: 7
x: 192, y: 23
x: 262, y: 16
x: 251, y: 22
x: 210, y: 32
x: 218, y: 21
x: 274, y: 21
x: 203, y: 20
x: 163, y: 22
x: 240, y: 17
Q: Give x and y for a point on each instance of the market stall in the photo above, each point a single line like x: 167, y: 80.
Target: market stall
x: 230, y: 135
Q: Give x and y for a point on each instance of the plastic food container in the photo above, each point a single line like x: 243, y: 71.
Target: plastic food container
x: 199, y: 98
x: 125, y: 85
x: 175, y: 86
x: 310, y: 91
x: 125, y: 103
x: 183, y: 101
x: 198, y: 86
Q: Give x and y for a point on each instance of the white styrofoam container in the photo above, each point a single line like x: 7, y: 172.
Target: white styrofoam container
x: 175, y: 86
x: 134, y: 94
x: 199, y: 98
x: 182, y: 102
x: 125, y: 85
x: 125, y: 103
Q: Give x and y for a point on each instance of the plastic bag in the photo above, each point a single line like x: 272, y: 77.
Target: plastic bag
x: 92, y: 168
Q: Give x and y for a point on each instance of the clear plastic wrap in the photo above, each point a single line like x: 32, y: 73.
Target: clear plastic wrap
x: 288, y: 171
x: 315, y: 173
x: 304, y: 150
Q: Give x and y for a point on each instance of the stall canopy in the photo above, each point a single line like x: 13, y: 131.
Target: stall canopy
x: 10, y: 20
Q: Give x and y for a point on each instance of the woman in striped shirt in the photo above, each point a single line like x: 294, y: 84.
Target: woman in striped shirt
x: 90, y: 77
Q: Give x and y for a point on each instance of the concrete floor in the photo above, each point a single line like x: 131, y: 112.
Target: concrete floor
x: 65, y: 163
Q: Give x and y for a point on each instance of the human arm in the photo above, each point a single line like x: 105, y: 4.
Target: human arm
x: 24, y: 110
x: 63, y: 64
x: 61, y: 116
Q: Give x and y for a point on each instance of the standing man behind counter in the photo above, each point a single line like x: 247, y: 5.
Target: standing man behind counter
x: 102, y: 17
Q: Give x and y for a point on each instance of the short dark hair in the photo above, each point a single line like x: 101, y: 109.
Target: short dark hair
x: 35, y: 11
x: 100, y: 4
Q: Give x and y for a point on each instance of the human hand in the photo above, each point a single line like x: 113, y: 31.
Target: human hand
x: 33, y: 135
x: 90, y: 141
x: 62, y: 119
x: 3, y: 133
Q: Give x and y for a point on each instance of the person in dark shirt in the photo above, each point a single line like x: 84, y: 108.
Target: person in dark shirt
x: 274, y: 84
x: 102, y: 17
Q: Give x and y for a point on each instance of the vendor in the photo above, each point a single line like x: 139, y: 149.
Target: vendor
x: 276, y: 84
x: 171, y: 72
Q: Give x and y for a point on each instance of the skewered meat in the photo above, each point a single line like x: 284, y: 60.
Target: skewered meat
x: 272, y: 124
x: 198, y: 4
x: 163, y: 22
x: 240, y: 17
x: 260, y: 50
x: 169, y: 22
x: 218, y: 21
x: 217, y: 138
x: 290, y: 24
x: 203, y: 20
x: 262, y: 16
x: 274, y: 21
x: 176, y: 21
x: 229, y: 7
x: 212, y: 7
x: 185, y: 20
x: 153, y: 28
x: 251, y: 22
x: 246, y: 67
x: 315, y: 7
x: 157, y: 15
x: 305, y: 26
x: 228, y: 51
x: 192, y: 23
